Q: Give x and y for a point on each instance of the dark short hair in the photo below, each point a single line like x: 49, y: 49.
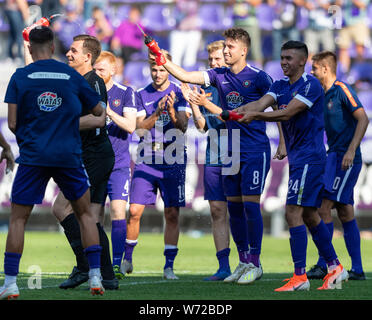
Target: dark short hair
x: 238, y: 34
x: 90, y: 44
x: 297, y: 45
x: 326, y: 57
x: 41, y: 35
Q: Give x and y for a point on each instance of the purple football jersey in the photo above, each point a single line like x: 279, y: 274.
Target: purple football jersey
x: 121, y: 99
x: 236, y: 90
x: 149, y: 98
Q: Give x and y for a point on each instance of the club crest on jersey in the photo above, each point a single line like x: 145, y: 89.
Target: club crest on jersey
x: 116, y: 102
x: 234, y: 99
x: 282, y: 107
x: 246, y: 83
x: 48, y: 101
x: 330, y: 104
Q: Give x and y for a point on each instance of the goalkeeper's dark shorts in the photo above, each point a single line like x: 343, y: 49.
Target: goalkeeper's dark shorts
x: 99, y: 171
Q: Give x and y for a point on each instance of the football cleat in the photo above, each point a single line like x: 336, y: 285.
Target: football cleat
x: 126, y: 267
x: 356, y: 276
x: 316, y: 272
x: 96, y: 287
x: 75, y: 279
x: 118, y: 274
x: 10, y: 292
x: 238, y: 272
x: 296, y: 283
x: 218, y: 276
x: 252, y: 274
x: 169, y: 274
x: 334, y: 278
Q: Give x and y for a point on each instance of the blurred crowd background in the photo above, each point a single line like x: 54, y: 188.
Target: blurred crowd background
x: 185, y: 27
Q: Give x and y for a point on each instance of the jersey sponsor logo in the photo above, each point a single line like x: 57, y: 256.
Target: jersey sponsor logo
x: 246, y: 83
x: 346, y: 90
x: 48, y: 101
x: 163, y: 119
x: 234, y: 99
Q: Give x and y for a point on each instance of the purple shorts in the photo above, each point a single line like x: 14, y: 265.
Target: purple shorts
x: 118, y: 184
x: 213, y: 187
x: 250, y: 180
x: 305, y: 185
x: 30, y: 183
x: 170, y: 180
x: 339, y: 184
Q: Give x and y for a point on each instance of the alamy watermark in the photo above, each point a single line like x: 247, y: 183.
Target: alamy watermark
x: 169, y: 147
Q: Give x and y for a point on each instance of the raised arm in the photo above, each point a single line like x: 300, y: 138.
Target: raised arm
x: 198, y: 117
x: 195, y: 77
x: 294, y: 106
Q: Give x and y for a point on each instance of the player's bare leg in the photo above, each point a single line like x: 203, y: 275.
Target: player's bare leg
x: 133, y: 229
x: 90, y: 240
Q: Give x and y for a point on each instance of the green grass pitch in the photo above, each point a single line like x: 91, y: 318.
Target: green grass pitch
x: 50, y: 253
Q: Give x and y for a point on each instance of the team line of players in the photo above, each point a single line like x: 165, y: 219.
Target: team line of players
x: 302, y: 105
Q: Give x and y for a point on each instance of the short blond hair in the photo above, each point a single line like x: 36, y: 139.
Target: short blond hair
x: 216, y: 45
x: 107, y: 55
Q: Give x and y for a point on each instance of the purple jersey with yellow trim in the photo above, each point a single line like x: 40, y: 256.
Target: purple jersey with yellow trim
x: 236, y: 90
x: 121, y: 99
x: 304, y: 132
x: 340, y: 103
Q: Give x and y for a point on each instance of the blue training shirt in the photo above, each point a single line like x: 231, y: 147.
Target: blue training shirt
x: 49, y: 97
x: 214, y: 155
x: 340, y: 103
x: 304, y: 132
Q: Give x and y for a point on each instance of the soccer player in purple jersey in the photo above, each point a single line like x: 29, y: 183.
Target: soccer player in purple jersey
x: 121, y: 122
x: 345, y: 124
x: 300, y: 99
x: 162, y: 111
x: 238, y: 84
x: 206, y: 122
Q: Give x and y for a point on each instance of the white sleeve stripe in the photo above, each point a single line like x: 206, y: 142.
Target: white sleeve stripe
x: 186, y: 109
x: 272, y: 94
x: 129, y: 109
x: 141, y: 113
x: 207, y: 81
x: 304, y: 100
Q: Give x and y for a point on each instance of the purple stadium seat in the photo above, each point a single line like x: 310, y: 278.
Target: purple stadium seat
x: 274, y: 69
x: 302, y: 18
x: 360, y: 72
x: 4, y: 26
x: 211, y: 17
x: 157, y: 17
x: 137, y: 73
x: 365, y: 97
x: 122, y: 12
x: 265, y: 15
